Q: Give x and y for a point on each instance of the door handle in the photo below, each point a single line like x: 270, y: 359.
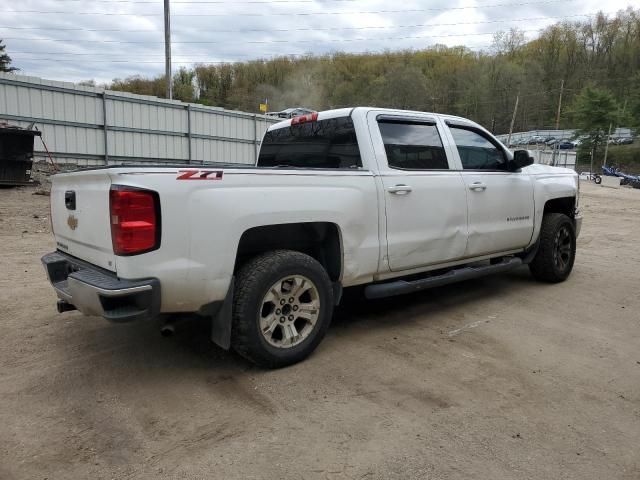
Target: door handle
x: 400, y: 189
x: 478, y: 186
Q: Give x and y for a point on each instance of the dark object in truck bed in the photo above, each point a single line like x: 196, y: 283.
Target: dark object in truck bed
x: 16, y: 154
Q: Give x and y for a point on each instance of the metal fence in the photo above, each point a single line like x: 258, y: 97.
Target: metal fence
x: 555, y: 157
x: 518, y: 137
x: 92, y: 126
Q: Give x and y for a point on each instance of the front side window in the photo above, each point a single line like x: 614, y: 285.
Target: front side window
x: 327, y: 143
x: 413, y: 146
x: 476, y: 151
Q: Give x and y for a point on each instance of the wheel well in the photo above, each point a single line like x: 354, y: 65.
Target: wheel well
x: 564, y: 205
x: 320, y: 240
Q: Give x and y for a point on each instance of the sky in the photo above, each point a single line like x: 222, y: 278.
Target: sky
x: 76, y: 40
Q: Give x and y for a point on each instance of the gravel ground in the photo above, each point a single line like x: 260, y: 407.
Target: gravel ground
x: 499, y: 378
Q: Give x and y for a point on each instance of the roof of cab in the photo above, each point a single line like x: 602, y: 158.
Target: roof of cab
x: 345, y: 112
x: 324, y: 115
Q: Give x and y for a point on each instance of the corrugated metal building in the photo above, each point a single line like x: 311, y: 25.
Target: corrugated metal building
x: 92, y: 126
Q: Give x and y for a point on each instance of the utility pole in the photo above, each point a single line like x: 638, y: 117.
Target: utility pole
x: 559, y: 105
x: 167, y: 49
x: 513, y: 119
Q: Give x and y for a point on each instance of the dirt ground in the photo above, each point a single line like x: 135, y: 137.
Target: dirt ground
x: 499, y: 378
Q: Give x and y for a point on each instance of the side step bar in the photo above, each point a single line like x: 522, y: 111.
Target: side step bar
x: 400, y: 287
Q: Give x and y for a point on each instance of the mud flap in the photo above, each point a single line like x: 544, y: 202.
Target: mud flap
x: 221, y: 320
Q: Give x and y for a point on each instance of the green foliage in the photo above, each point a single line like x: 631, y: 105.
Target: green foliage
x: 602, y: 53
x: 594, y: 112
x: 143, y: 86
x: 183, y: 85
x: 632, y: 103
x: 5, y: 60
x: 626, y: 157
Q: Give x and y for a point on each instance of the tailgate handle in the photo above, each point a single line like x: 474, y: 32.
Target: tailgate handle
x: 70, y: 199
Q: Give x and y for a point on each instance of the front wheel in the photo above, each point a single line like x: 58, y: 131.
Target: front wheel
x: 282, y: 308
x: 557, y: 249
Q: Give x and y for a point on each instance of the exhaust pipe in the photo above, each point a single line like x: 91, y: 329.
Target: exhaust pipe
x: 172, y: 323
x: 64, y: 306
x: 167, y: 330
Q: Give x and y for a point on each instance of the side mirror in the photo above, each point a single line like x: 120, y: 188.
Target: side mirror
x: 521, y: 159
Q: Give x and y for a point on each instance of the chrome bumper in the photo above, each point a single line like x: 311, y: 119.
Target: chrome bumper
x: 95, y: 291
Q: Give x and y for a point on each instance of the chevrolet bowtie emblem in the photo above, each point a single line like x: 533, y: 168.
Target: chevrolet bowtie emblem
x: 72, y: 222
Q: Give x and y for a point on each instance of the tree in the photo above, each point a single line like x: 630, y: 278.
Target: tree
x: 594, y: 111
x: 5, y: 60
x: 633, y: 101
x: 602, y: 51
x: 402, y: 87
x: 183, y: 88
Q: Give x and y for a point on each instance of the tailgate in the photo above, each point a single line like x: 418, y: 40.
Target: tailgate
x: 80, y: 216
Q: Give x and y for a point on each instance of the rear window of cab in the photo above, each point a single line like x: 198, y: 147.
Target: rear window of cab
x: 327, y: 144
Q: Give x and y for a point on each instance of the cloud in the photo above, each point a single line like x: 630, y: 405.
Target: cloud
x: 126, y: 37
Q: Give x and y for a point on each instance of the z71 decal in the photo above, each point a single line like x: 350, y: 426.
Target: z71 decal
x: 199, y: 175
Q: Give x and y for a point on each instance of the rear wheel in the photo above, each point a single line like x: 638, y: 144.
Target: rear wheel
x: 283, y: 305
x: 557, y: 249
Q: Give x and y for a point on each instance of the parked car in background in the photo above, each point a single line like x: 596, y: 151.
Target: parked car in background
x: 536, y: 139
x: 566, y: 145
x: 550, y: 141
x: 624, y: 141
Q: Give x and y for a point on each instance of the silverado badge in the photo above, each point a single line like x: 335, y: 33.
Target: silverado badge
x: 72, y: 222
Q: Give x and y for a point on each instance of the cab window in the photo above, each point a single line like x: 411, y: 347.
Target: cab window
x: 476, y: 151
x: 325, y: 144
x: 412, y: 145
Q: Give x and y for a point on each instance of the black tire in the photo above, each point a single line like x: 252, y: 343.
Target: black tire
x: 557, y: 249
x: 254, y: 281
x: 597, y: 179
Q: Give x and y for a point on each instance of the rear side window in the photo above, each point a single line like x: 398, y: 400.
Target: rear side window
x: 413, y: 146
x: 476, y: 151
x: 327, y: 143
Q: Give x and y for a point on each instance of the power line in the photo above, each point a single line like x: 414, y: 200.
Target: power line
x: 125, y: 61
x: 206, y: 2
x: 288, y: 14
x: 236, y: 42
x: 329, y: 29
x: 190, y: 57
x: 272, y: 56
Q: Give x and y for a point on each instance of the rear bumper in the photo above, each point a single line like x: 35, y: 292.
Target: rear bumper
x: 95, y: 291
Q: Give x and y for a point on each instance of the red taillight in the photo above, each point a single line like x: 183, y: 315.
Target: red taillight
x: 309, y: 117
x: 135, y: 220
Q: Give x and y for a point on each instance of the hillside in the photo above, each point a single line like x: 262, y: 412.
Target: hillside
x: 482, y: 85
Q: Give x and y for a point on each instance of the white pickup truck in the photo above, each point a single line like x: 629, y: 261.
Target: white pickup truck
x: 394, y: 200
